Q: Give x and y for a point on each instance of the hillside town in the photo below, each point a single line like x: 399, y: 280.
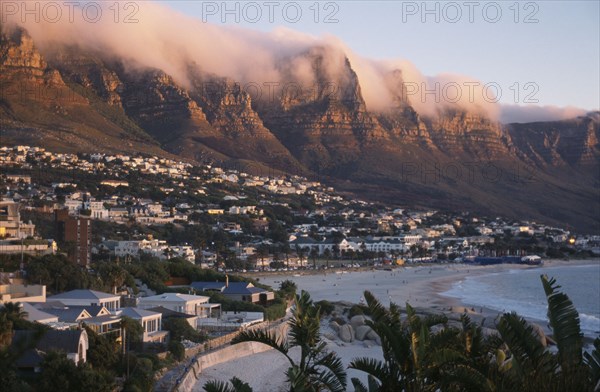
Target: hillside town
x: 305, y: 219
x: 157, y: 256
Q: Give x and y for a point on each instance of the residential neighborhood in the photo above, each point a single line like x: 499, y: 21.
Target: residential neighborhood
x: 157, y: 257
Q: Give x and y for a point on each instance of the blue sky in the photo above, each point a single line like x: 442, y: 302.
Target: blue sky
x: 553, y: 45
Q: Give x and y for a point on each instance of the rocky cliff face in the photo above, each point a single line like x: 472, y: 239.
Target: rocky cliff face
x: 324, y: 123
x: 559, y: 143
x: 323, y: 127
x: 40, y: 105
x: 89, y: 71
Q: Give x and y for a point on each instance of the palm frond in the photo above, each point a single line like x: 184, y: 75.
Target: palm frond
x: 267, y: 338
x: 372, y: 367
x: 334, y: 367
x: 359, y: 386
x: 435, y: 319
x: 564, y: 321
x: 441, y: 357
x: 592, y: 359
x: 219, y: 386
x: 446, y: 337
x: 240, y: 386
x: 528, y: 353
x: 377, y: 311
x: 467, y: 379
x: 373, y: 383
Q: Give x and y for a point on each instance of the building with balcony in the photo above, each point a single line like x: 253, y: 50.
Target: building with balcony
x: 195, y: 305
x: 87, y: 298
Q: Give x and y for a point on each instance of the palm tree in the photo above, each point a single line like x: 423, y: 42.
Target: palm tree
x: 300, y: 252
x: 6, y: 330
x: 532, y: 367
x: 417, y: 359
x: 314, y: 253
x: 285, y: 248
x: 234, y: 385
x: 318, y: 368
x: 263, y: 251
x: 14, y: 312
x: 327, y: 255
x: 592, y: 360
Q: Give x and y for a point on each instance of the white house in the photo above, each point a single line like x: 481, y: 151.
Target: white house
x: 196, y: 305
x: 150, y: 321
x: 88, y: 297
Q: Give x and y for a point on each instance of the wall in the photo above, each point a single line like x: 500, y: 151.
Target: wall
x: 205, y: 356
x: 22, y: 293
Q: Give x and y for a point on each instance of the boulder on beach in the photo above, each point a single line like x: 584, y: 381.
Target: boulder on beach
x: 334, y: 325
x: 346, y: 333
x: 357, y: 321
x: 330, y: 336
x: 372, y: 335
x: 361, y: 332
x: 540, y: 333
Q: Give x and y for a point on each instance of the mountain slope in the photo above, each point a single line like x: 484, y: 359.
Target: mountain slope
x: 69, y: 99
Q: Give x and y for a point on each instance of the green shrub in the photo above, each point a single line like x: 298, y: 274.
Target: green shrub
x: 356, y: 310
x: 177, y: 350
x: 326, y: 307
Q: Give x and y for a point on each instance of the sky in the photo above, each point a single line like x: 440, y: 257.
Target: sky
x: 542, y: 52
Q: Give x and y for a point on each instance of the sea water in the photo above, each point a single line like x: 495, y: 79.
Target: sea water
x: 521, y: 291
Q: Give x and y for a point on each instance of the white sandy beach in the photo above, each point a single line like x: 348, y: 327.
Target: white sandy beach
x: 420, y: 286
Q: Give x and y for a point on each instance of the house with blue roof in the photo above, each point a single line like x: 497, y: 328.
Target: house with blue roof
x: 237, y: 291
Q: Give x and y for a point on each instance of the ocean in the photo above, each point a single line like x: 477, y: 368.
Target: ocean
x: 521, y: 291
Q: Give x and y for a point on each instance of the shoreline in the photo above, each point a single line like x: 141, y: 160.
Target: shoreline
x: 422, y: 286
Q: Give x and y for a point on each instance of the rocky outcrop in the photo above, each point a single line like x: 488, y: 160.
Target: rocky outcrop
x: 361, y: 332
x: 88, y: 71
x: 346, y: 333
x: 357, y: 321
x: 559, y: 143
x: 324, y: 122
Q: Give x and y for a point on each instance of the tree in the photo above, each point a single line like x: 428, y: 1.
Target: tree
x: 301, y: 252
x: 285, y: 248
x: 57, y: 272
x: 177, y: 349
x: 6, y: 330
x: 263, y: 251
x: 13, y: 312
x: 415, y: 358
x: 113, y: 275
x: 102, y: 352
x: 142, y: 375
x: 288, y: 289
x: 318, y: 369
x: 531, y: 367
x: 314, y: 253
x: 327, y: 255
x: 132, y: 332
x: 180, y: 330
x: 234, y: 385
x: 61, y: 374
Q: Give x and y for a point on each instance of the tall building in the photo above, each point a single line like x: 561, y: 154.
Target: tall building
x: 17, y: 236
x: 75, y: 233
x: 11, y: 226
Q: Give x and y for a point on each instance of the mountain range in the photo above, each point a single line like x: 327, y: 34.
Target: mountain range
x: 67, y: 98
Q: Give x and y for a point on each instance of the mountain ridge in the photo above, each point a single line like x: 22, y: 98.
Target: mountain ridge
x: 326, y: 133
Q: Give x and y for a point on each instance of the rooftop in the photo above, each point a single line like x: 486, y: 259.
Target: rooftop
x: 137, y: 313
x: 83, y: 294
x: 174, y: 297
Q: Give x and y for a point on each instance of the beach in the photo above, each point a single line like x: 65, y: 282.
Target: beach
x: 424, y: 287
